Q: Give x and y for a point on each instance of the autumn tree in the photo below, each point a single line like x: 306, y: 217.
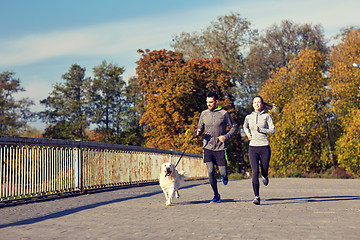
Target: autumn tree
x: 174, y: 96
x: 301, y: 142
x: 344, y: 81
x: 14, y: 114
x: 106, y: 100
x: 65, y: 108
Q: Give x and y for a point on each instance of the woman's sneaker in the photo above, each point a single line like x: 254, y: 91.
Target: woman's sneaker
x: 216, y: 199
x: 256, y: 200
x: 265, y: 180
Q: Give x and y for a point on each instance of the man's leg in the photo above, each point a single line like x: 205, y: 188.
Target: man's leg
x: 221, y: 161
x: 212, y: 177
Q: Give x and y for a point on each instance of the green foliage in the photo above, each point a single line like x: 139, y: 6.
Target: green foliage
x: 106, y: 100
x: 14, y: 114
x: 300, y: 142
x: 345, y: 92
x: 65, y: 108
x: 134, y: 106
x: 348, y: 145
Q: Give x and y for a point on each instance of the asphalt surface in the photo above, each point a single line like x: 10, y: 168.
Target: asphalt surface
x: 291, y: 208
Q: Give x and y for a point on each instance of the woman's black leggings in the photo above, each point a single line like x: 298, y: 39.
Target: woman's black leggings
x: 259, y: 154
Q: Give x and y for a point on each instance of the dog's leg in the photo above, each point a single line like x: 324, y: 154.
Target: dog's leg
x: 177, y: 195
x: 171, y: 196
x: 166, y: 194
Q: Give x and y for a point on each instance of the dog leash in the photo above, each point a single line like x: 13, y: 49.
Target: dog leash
x: 185, y: 150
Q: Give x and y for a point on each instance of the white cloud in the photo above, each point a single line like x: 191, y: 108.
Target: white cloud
x: 120, y: 40
x: 106, y: 39
x: 124, y: 37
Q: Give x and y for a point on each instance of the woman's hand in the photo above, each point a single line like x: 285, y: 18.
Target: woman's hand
x: 221, y: 138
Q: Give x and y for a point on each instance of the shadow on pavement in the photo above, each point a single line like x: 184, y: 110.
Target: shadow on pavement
x: 206, y: 202
x: 85, y: 207
x: 311, y: 199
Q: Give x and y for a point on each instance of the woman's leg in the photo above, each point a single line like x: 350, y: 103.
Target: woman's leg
x: 265, y: 160
x: 254, y: 162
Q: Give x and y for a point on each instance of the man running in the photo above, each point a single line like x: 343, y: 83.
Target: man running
x: 212, y: 123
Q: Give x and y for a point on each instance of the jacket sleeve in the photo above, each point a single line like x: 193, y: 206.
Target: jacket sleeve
x: 271, y: 127
x: 246, y: 126
x: 201, y: 123
x: 233, y: 126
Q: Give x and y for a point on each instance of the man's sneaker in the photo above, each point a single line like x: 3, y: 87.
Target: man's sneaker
x: 225, y: 180
x: 216, y: 199
x: 265, y: 180
x: 256, y: 200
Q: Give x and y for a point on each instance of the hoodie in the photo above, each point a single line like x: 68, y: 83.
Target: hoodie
x: 265, y: 124
x: 213, y: 123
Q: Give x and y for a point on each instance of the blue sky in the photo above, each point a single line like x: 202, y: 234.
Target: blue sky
x: 40, y: 40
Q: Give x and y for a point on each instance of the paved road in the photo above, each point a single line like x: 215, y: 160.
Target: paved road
x: 291, y: 209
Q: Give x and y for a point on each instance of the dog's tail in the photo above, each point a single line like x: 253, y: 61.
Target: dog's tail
x: 182, y: 175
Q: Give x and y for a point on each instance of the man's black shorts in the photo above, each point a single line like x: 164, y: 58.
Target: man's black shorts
x: 219, y: 158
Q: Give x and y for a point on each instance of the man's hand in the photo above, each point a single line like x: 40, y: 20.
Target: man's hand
x: 197, y: 132
x: 250, y: 137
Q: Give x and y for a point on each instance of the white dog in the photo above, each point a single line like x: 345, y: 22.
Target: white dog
x: 170, y: 180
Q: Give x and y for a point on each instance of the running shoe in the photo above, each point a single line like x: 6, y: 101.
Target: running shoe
x: 265, y: 180
x: 216, y: 199
x: 225, y: 180
x: 256, y: 200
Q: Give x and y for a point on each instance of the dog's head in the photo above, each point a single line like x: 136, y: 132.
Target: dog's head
x: 167, y: 168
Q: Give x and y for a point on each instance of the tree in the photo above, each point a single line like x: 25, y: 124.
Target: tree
x: 344, y: 81
x: 348, y: 145
x: 227, y: 38
x: 174, y: 96
x: 65, y: 108
x: 134, y: 108
x: 105, y: 95
x: 174, y: 93
x: 301, y: 142
x: 343, y: 78
x: 32, y: 132
x: 14, y: 114
x: 274, y: 49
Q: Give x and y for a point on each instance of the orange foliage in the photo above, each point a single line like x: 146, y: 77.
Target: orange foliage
x: 175, y: 92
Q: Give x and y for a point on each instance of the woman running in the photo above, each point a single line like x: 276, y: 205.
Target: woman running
x: 256, y: 126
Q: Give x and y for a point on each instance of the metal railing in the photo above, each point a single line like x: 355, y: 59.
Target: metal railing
x: 37, y: 166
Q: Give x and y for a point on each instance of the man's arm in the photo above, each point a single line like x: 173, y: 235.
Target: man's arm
x: 201, y: 126
x: 233, y: 126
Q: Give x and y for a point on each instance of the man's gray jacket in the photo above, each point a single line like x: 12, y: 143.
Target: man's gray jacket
x: 213, y: 123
